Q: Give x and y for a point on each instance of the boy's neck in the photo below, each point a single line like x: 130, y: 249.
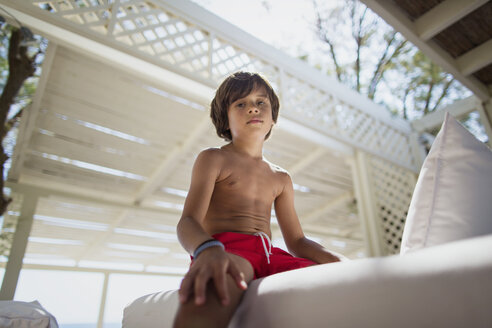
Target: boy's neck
x: 251, y: 149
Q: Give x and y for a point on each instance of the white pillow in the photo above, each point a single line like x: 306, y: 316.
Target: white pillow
x: 453, y: 195
x: 150, y: 309
x: 18, y: 314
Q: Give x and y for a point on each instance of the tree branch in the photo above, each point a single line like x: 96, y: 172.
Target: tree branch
x: 359, y: 43
x: 323, y: 34
x: 444, y: 93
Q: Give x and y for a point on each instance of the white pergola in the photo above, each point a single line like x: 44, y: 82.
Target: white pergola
x: 104, y: 153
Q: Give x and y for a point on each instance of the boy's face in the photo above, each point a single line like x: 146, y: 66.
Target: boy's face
x: 251, y: 115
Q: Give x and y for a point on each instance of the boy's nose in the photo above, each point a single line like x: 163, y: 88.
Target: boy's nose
x: 253, y: 109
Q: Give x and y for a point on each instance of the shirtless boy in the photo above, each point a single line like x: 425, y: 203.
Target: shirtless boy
x: 225, y: 222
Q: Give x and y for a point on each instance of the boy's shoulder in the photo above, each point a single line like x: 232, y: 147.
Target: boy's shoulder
x: 211, y: 151
x: 277, y: 168
x: 211, y: 156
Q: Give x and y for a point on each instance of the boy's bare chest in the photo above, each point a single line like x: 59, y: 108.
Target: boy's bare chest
x: 251, y: 181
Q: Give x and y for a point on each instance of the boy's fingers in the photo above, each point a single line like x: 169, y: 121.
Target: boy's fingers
x: 221, y: 286
x: 184, y: 289
x: 200, y: 287
x: 242, y: 282
x: 238, y: 276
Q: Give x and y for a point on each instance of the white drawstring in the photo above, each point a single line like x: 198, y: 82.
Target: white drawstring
x: 268, y: 251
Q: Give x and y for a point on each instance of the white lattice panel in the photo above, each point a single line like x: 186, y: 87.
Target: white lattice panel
x: 393, y: 187
x: 326, y: 113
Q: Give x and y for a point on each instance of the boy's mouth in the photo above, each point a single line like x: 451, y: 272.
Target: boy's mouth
x: 255, y: 120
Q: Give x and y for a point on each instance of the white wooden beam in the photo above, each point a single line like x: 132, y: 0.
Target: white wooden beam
x: 443, y: 15
x: 475, y: 59
x: 114, y: 11
x: 456, y: 109
x: 96, y: 198
x: 29, y: 117
x: 393, y: 15
x: 155, y: 180
x: 19, y: 245
x: 32, y: 266
x: 103, y: 236
x: 307, y: 160
x: 333, y: 203
x: 324, y: 232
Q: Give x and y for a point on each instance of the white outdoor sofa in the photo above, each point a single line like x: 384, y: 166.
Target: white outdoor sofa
x: 443, y: 278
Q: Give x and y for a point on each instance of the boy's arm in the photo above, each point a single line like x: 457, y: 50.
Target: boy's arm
x: 205, y: 171
x: 213, y: 263
x: 290, y: 226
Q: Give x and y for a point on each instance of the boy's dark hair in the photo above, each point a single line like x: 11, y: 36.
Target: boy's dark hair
x: 234, y: 87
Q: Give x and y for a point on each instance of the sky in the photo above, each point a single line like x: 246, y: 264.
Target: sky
x: 270, y: 21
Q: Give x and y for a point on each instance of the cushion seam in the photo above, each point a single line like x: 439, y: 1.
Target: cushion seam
x: 436, y: 185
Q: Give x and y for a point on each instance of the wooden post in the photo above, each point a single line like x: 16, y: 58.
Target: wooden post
x: 366, y: 204
x: 104, y: 296
x: 18, y: 249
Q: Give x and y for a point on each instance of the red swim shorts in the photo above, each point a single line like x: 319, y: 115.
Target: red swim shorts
x: 254, y: 249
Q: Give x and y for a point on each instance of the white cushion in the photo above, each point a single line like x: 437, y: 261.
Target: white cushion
x: 145, y: 311
x: 443, y: 286
x: 18, y: 314
x: 452, y: 199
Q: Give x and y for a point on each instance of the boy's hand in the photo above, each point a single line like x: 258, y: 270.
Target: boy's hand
x: 331, y: 257
x: 212, y: 264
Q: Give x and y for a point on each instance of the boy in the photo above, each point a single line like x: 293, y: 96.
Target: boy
x: 225, y: 223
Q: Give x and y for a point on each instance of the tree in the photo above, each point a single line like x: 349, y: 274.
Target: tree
x: 18, y: 80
